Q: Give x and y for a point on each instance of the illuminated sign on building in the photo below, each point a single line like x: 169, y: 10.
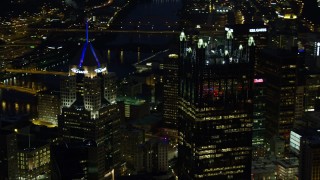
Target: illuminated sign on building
x: 78, y: 71
x: 258, y: 81
x: 295, y: 141
x: 258, y: 30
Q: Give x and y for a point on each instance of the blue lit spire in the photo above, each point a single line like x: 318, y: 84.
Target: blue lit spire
x: 85, y: 47
x: 94, y: 54
x: 83, y: 53
x: 87, y: 31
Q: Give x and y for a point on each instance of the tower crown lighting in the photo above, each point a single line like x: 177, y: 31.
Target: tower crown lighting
x: 89, y: 63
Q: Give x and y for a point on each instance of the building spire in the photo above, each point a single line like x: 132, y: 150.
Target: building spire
x: 87, y: 31
x: 88, y: 56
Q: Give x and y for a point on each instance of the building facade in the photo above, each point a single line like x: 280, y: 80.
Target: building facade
x: 215, y: 111
x: 90, y: 113
x: 48, y: 107
x: 170, y: 91
x: 34, y: 162
x: 279, y: 69
x: 152, y: 156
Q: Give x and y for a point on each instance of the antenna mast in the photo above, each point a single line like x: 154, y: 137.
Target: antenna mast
x: 87, y: 34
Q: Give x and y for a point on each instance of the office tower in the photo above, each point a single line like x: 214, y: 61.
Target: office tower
x: 316, y: 53
x: 170, y: 91
x: 161, y: 155
x: 310, y: 157
x: 113, y: 139
x: 263, y: 169
x: 8, y: 155
x: 307, y: 97
x: 139, y: 159
x: 131, y: 138
x: 259, y: 120
x: 133, y: 108
x: 215, y: 112
x: 312, y: 92
x: 259, y: 33
x: 89, y: 112
x: 309, y: 43
x: 130, y: 87
x: 305, y: 144
x: 152, y: 156
x: 279, y: 68
x: 299, y: 102
x: 283, y: 33
x: 34, y: 161
x: 110, y: 87
x: 287, y: 168
x: 48, y: 107
x: 68, y: 91
x: 307, y: 128
x: 307, y: 94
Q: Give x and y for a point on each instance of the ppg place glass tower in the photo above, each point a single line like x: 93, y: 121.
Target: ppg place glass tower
x: 215, y: 108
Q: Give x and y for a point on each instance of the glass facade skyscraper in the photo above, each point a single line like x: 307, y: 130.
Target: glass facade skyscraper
x: 215, y: 111
x: 279, y: 67
x: 170, y: 91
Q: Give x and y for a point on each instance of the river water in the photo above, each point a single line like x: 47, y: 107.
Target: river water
x: 152, y: 15
x: 119, y: 50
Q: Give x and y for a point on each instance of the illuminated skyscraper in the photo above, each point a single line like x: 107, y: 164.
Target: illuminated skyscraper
x: 237, y: 39
x: 89, y: 113
x: 170, y: 91
x: 287, y: 168
x: 279, y: 67
x: 283, y: 33
x: 308, y: 93
x: 48, y: 107
x: 215, y: 112
x: 305, y: 143
x: 259, y: 120
x: 152, y: 156
x: 310, y: 158
x: 34, y: 162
